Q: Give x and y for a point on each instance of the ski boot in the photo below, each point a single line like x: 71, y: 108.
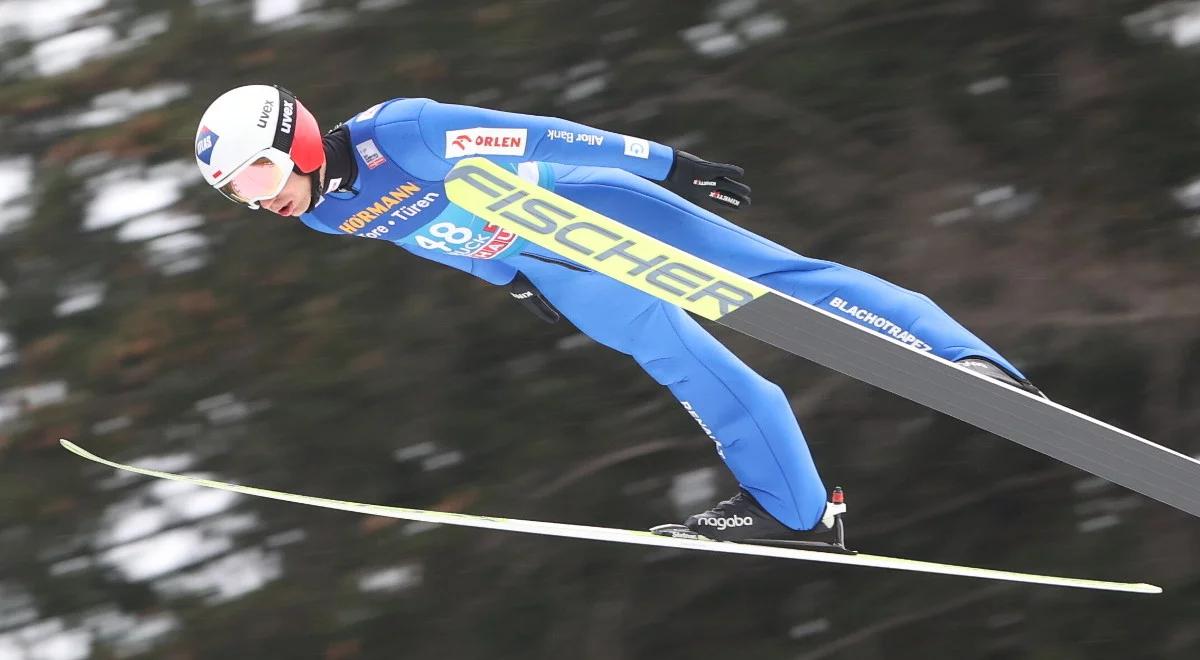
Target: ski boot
x: 742, y: 520
x: 986, y: 367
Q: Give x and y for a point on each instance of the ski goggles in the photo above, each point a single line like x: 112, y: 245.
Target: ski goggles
x: 261, y: 177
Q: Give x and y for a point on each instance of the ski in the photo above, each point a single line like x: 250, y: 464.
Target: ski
x: 626, y: 536
x: 661, y: 270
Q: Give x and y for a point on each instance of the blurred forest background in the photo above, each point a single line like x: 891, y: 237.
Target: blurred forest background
x: 1033, y: 165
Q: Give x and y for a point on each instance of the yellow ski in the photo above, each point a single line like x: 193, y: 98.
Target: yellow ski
x: 624, y: 535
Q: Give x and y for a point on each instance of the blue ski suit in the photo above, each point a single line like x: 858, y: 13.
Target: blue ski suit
x: 404, y: 149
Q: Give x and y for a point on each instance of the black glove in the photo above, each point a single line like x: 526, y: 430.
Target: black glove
x: 696, y: 179
x: 528, y: 295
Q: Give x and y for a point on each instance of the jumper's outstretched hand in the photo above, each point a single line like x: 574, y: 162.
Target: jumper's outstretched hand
x: 696, y: 179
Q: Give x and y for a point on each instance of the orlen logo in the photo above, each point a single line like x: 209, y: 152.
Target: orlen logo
x: 205, y: 142
x: 486, y: 141
x: 726, y: 523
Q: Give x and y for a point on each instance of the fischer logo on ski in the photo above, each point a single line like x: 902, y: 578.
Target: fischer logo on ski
x: 573, y: 231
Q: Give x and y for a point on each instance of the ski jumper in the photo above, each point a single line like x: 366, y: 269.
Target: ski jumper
x: 405, y: 147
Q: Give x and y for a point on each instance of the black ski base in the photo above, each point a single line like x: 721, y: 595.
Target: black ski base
x: 818, y: 546
x: 837, y: 546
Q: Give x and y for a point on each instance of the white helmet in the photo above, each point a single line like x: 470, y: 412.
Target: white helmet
x: 251, y: 138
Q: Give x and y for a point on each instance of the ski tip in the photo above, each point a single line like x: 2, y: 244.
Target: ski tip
x: 73, y: 448
x: 1143, y: 588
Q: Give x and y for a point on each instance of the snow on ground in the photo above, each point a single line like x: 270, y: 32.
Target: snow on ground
x: 53, y: 639
x: 762, y: 26
x: 988, y: 85
x: 810, y: 628
x: 184, y: 538
x: 157, y: 506
x: 1185, y: 30
x: 412, y: 452
x: 79, y: 298
x: 224, y: 408
x: 16, y: 182
x: 177, y: 253
x: 66, y: 52
x: 176, y: 462
x: 138, y: 199
x: 149, y: 25
x: 64, y: 36
x: 269, y: 11
x: 380, y: 5
x: 8, y: 412
x: 156, y: 225
x: 114, y: 107
x: 227, y: 578
x: 689, y: 490
x: 391, y: 579
x: 584, y: 88
x: 44, y: 394
x: 46, y: 640
x: 995, y: 203
x: 16, y: 606
x: 8, y: 354
x: 737, y: 24
x: 112, y: 425
x: 38, y: 19
x: 1176, y: 22
x: 712, y: 40
x: 32, y: 397
x: 164, y: 553
x: 442, y: 460
x: 122, y: 195
x: 168, y: 463
x: 131, y: 634
x: 1188, y: 195
x: 729, y: 9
